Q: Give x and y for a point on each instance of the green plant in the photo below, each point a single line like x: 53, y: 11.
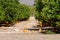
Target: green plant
x: 49, y: 32
x: 39, y: 5
x: 50, y: 12
x: 12, y: 10
x: 2, y: 14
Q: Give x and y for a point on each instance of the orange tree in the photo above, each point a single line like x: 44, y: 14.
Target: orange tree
x: 48, y: 11
x: 12, y: 10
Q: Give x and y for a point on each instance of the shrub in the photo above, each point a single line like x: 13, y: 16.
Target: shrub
x: 12, y: 10
x: 50, y: 12
x: 2, y: 14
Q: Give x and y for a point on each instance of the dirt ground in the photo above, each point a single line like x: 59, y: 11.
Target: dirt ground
x: 16, y: 32
x: 25, y: 36
x: 18, y: 27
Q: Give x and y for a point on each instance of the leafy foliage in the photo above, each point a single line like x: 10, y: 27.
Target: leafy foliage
x: 2, y: 14
x: 12, y: 10
x: 50, y: 12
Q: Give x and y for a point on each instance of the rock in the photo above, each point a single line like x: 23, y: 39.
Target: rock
x: 16, y: 30
x: 31, y: 22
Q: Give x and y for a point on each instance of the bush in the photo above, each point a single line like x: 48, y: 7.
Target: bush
x: 2, y: 14
x: 50, y: 12
x: 12, y: 10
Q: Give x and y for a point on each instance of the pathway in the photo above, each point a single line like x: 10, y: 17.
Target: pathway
x: 18, y: 27
x: 19, y: 36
